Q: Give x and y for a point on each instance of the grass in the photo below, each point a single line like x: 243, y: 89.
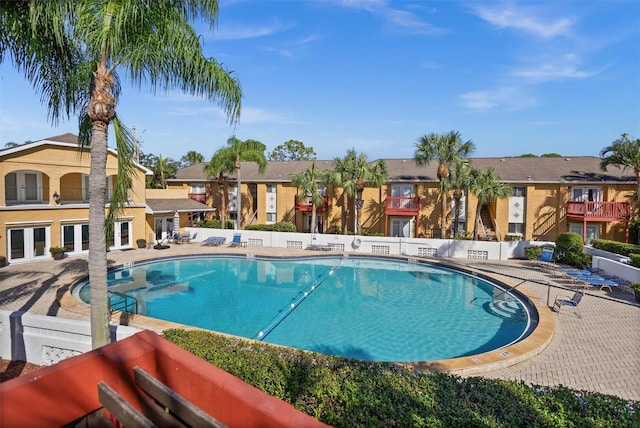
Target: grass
x: 352, y: 393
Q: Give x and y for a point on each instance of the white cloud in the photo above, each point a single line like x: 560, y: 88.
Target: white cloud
x: 565, y: 67
x: 505, y: 98
x: 524, y: 19
x: 238, y: 31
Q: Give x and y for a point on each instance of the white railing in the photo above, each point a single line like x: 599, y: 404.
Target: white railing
x: 503, y: 250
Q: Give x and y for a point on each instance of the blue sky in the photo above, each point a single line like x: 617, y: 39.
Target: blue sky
x: 514, y: 77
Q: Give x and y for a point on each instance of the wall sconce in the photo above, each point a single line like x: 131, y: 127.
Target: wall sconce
x: 56, y: 197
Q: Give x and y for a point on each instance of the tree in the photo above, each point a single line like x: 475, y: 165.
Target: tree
x: 292, y: 150
x: 228, y: 159
x: 624, y: 153
x: 352, y: 173
x: 446, y: 149
x: 308, y: 183
x: 191, y: 158
x: 73, y: 52
x: 460, y: 180
x: 162, y: 169
x: 486, y: 185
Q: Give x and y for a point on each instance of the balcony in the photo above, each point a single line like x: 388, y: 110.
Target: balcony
x: 198, y: 197
x: 402, y: 205
x: 599, y: 211
x: 304, y: 205
x: 26, y: 195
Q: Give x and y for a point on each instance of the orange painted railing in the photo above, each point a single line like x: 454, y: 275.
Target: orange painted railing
x: 602, y: 211
x: 305, y: 204
x: 401, y: 205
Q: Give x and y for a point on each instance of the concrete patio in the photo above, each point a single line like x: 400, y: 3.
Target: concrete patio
x: 599, y: 352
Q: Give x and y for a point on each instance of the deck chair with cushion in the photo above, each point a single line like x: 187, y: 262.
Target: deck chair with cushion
x: 214, y: 241
x: 572, y: 302
x: 237, y: 241
x: 546, y: 257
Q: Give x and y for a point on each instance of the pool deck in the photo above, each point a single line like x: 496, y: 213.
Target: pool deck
x: 599, y: 352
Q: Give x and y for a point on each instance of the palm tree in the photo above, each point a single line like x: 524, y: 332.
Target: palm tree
x: 459, y: 181
x: 73, y: 52
x: 342, y: 176
x: 624, y: 153
x: 486, y: 185
x: 162, y: 169
x: 447, y: 149
x: 191, y: 158
x: 228, y: 159
x: 308, y: 183
x: 373, y: 175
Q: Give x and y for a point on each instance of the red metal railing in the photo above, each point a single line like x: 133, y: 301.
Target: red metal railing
x: 402, y: 205
x: 199, y: 197
x: 603, y: 211
x: 305, y: 204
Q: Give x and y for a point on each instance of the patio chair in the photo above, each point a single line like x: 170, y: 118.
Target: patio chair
x: 572, y: 302
x: 237, y: 241
x: 214, y: 241
x: 546, y: 257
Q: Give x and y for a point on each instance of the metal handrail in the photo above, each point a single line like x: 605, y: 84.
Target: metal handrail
x: 123, y: 305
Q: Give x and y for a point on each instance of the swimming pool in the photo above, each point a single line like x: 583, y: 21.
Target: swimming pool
x: 371, y: 308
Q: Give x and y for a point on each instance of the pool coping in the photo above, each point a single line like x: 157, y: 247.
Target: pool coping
x: 532, y: 345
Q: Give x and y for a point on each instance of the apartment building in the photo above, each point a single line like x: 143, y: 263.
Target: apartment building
x: 550, y: 196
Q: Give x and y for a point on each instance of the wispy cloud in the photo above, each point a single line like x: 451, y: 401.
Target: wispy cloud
x: 239, y: 31
x: 526, y: 19
x: 566, y: 67
x: 507, y: 98
x: 395, y: 19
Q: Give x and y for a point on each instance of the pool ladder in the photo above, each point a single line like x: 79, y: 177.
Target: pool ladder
x: 124, y: 302
x: 287, y: 311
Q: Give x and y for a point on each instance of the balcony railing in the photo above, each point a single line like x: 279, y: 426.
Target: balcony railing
x: 26, y: 195
x: 305, y: 205
x: 402, y: 205
x: 599, y: 211
x: 198, y: 197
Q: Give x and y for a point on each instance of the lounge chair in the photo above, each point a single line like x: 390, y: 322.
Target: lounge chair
x: 237, y: 241
x: 214, y: 241
x: 572, y: 302
x: 546, y: 257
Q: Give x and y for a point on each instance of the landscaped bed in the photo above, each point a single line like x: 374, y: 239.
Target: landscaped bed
x: 344, y: 392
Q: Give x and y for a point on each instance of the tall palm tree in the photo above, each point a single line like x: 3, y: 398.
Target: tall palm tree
x: 373, y: 175
x: 342, y: 176
x: 486, y: 185
x: 162, y: 169
x: 309, y: 183
x: 191, y: 158
x: 459, y: 182
x: 624, y: 153
x: 446, y: 149
x: 73, y: 52
x: 228, y: 159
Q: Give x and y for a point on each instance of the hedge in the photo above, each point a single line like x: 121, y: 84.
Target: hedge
x: 352, y: 393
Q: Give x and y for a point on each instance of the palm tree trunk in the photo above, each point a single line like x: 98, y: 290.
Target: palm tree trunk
x: 101, y: 110
x: 359, y: 207
x: 476, y: 226
x: 223, y: 205
x: 345, y: 214
x: 443, y: 219
x: 313, y: 218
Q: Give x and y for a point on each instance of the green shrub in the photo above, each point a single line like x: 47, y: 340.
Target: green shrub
x: 214, y: 224
x: 635, y: 260
x: 532, y: 253
x: 281, y: 226
x: 615, y: 247
x: 569, y: 250
x: 512, y: 237
x: 352, y: 393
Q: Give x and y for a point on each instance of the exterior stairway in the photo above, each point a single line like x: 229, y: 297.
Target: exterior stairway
x: 487, y: 231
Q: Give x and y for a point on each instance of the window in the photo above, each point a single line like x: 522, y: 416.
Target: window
x: 516, y: 228
x: 519, y: 191
x: 271, y: 204
x: 271, y: 188
x: 405, y: 190
x: 583, y: 194
x: 271, y: 218
x: 23, y: 186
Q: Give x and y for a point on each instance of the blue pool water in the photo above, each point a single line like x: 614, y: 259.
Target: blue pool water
x: 368, y: 308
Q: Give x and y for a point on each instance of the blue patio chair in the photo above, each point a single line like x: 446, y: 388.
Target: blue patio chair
x: 237, y: 241
x: 214, y: 241
x: 572, y: 302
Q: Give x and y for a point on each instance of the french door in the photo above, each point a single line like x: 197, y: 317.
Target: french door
x: 28, y: 243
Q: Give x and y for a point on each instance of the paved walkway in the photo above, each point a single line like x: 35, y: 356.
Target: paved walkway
x: 600, y: 352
